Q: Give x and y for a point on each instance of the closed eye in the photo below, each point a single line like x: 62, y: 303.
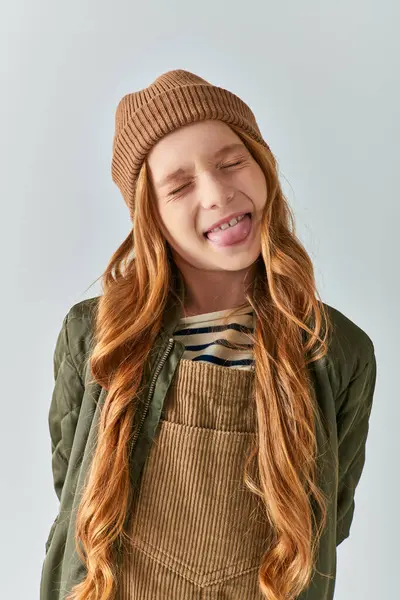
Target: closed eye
x: 178, y: 189
x: 232, y: 164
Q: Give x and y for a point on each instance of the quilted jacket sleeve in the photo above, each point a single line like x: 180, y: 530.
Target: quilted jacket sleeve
x: 64, y: 407
x: 355, y: 403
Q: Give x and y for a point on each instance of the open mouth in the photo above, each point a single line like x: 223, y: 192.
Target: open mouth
x: 205, y: 234
x: 231, y: 235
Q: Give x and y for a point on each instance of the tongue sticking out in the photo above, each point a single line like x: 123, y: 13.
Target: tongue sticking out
x: 231, y: 235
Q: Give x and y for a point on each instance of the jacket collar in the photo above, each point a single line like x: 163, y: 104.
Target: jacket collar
x: 175, y: 302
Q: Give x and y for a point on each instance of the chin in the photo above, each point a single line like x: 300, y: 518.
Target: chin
x: 236, y: 263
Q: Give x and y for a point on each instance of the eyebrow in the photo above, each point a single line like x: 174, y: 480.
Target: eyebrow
x: 181, y: 172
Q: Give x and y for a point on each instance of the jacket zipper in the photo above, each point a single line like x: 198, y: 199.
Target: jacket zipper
x: 151, y: 392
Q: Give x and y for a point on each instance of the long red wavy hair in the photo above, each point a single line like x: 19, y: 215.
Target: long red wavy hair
x: 292, y: 330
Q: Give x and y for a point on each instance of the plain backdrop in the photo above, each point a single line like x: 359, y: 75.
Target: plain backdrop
x: 323, y: 81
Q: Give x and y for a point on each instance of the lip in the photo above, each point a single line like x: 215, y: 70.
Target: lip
x: 226, y: 220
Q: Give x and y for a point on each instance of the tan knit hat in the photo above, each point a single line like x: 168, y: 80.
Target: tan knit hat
x: 176, y: 98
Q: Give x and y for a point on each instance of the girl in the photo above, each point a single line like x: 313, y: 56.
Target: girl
x: 210, y: 413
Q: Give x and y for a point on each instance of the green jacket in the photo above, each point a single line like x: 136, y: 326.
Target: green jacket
x: 344, y: 381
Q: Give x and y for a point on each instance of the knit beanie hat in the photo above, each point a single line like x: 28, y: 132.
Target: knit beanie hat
x: 174, y: 99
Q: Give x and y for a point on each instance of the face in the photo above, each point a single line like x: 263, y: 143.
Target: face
x: 197, y: 183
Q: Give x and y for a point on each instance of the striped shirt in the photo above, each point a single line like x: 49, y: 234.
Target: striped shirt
x: 220, y: 337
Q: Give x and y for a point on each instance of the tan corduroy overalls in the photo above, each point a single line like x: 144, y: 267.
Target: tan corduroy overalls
x: 197, y: 531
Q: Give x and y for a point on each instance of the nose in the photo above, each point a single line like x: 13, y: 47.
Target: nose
x: 214, y: 192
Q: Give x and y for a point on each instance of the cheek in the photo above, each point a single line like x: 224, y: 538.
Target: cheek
x: 253, y: 185
x: 258, y: 187
x: 178, y: 224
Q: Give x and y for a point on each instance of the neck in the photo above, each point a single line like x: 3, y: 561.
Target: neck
x: 211, y: 291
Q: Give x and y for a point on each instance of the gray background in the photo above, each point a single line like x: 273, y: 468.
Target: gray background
x: 323, y: 81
